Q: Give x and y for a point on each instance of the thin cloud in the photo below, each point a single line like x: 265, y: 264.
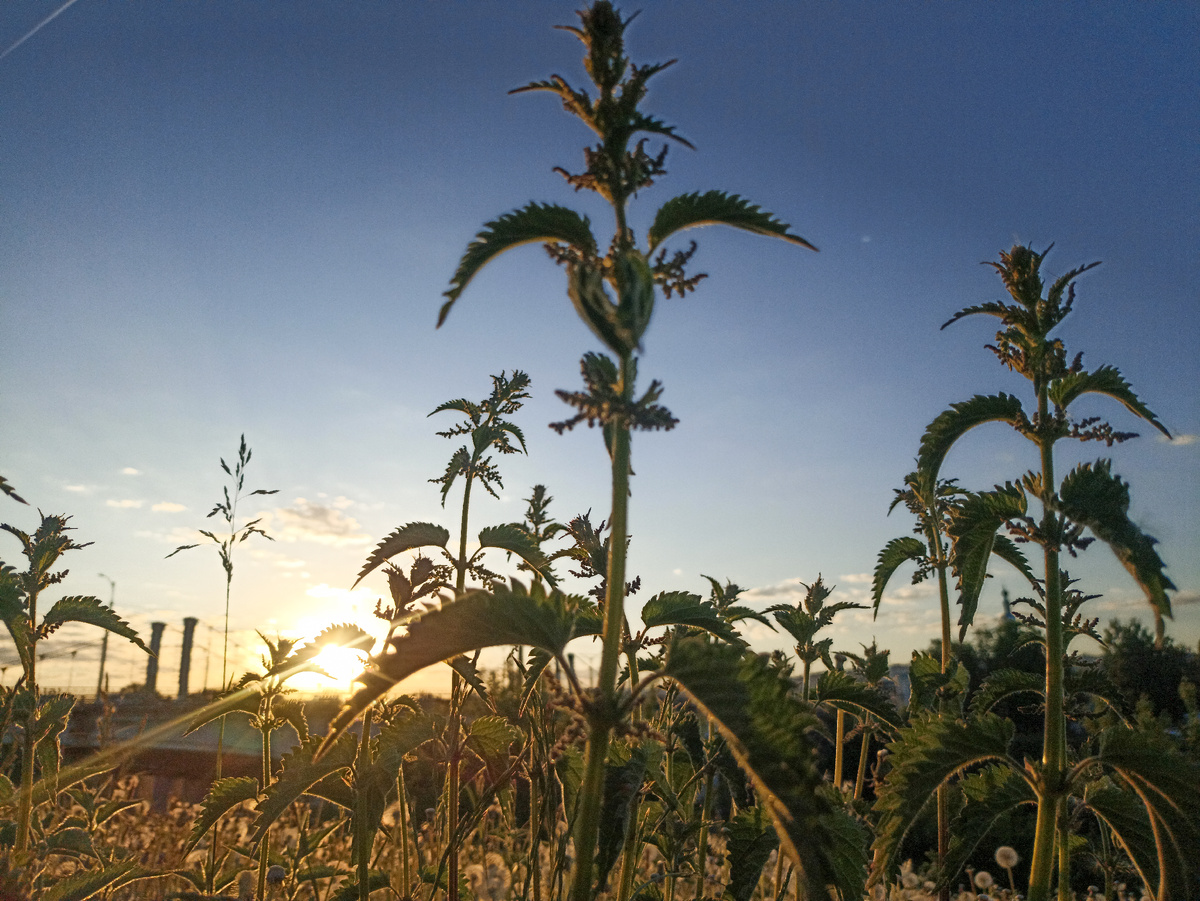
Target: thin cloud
x: 167, y: 507
x: 130, y: 471
x: 1186, y: 599
x: 306, y: 521
x: 38, y: 27
x: 1179, y: 440
x: 123, y: 504
x: 79, y: 488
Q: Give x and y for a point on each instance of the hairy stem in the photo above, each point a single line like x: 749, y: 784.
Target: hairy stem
x: 603, y: 715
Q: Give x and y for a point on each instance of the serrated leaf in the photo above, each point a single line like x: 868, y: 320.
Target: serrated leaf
x: 514, y: 538
x: 1008, y: 551
x: 298, y: 774
x: 534, y: 223
x: 88, y: 884
x: 895, y: 554
x: 924, y: 756
x: 682, y: 608
x: 91, y: 611
x: 842, y: 692
x: 622, y: 782
x: 349, y: 890
x: 71, y: 840
x: 1093, y: 497
x: 1108, y: 381
x: 952, y: 424
x: 7, y: 488
x: 223, y: 796
x: 991, y: 794
x: 1003, y: 684
x: 405, y: 538
x: 749, y: 840
x: 511, y: 615
x: 974, y: 522
x: 716, y: 208
x: 1129, y: 822
x: 491, y: 737
x: 469, y: 671
x: 1168, y: 785
x: 765, y: 727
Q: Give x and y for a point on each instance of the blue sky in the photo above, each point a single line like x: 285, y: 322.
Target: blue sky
x: 228, y: 218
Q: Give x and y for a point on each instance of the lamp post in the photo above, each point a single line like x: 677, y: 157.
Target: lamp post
x: 112, y: 597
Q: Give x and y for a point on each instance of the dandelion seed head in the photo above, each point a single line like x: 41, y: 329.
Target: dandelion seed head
x: 984, y: 880
x: 1007, y: 857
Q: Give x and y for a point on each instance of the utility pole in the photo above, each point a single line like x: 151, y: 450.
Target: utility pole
x: 112, y: 598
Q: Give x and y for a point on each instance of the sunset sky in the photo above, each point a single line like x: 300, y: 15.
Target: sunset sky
x: 227, y: 218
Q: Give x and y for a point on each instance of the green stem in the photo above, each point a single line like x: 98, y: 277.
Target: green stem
x: 264, y: 848
x: 362, y: 832
x: 28, y: 745
x: 943, y: 791
x: 402, y: 800
x: 603, y: 715
x: 1054, y: 748
x: 839, y: 749
x: 702, y: 839
x: 1064, y: 852
x: 860, y: 780
x: 807, y: 669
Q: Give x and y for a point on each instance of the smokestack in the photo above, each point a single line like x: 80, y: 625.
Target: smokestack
x: 156, y: 631
x: 185, y: 659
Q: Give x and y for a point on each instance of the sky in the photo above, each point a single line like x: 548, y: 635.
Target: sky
x: 227, y: 219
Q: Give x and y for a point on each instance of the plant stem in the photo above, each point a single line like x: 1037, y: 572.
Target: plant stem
x: 25, y: 810
x: 1054, y: 747
x: 362, y: 833
x: 264, y: 848
x: 702, y: 839
x: 603, y: 714
x: 839, y: 749
x: 861, y: 777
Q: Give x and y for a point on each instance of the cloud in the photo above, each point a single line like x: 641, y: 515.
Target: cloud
x: 1179, y: 440
x: 306, y: 521
x: 1186, y: 599
x: 167, y: 507
x: 123, y: 504
x: 79, y: 488
x: 130, y: 471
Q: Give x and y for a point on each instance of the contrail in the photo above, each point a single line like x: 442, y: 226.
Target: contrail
x: 38, y: 27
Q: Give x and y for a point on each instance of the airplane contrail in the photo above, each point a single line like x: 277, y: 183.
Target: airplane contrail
x: 38, y: 27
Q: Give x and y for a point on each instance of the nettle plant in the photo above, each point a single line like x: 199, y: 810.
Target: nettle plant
x: 749, y: 701
x: 1143, y: 794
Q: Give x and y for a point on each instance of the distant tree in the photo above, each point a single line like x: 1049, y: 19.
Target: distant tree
x: 1137, y: 668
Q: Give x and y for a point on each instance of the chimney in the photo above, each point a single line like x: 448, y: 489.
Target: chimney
x: 185, y: 659
x: 156, y: 631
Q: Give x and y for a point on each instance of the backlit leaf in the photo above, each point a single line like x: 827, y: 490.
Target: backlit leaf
x: 1106, y: 380
x: 223, y: 796
x: 682, y: 608
x: 534, y: 223
x: 514, y: 538
x: 716, y: 208
x: 405, y: 538
x: 952, y: 424
x: 895, y: 553
x: 93, y: 612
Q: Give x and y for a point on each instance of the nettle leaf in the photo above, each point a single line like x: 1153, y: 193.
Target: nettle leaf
x: 842, y: 691
x: 952, y: 424
x: 1129, y: 822
x: 405, y: 538
x: 895, y: 554
x: 622, y: 782
x: 1106, y: 380
x: 681, y: 608
x: 974, y: 522
x: 91, y: 611
x: 1168, y: 785
x: 491, y: 737
x: 1093, y: 497
x: 510, y: 615
x: 90, y: 883
x: 766, y: 728
x: 991, y: 794
x: 298, y: 774
x: 513, y: 537
x: 534, y: 223
x: 927, y: 754
x: 1004, y: 684
x: 223, y: 796
x: 716, y: 208
x: 469, y: 671
x: 1008, y: 551
x: 749, y: 840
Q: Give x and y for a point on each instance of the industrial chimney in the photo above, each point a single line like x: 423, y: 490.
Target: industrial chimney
x: 156, y: 631
x: 185, y: 659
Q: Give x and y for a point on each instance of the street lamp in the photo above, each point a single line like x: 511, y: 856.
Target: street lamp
x: 112, y: 597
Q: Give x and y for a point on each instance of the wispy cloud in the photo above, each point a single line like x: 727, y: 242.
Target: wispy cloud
x: 125, y: 504
x: 322, y: 523
x: 1179, y: 440
x: 167, y: 507
x: 77, y: 488
x: 130, y: 471
x: 1186, y: 599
